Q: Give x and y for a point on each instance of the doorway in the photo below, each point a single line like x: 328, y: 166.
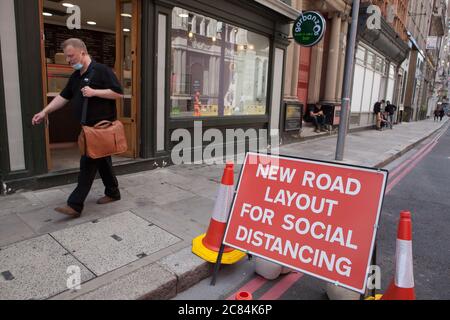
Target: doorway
x: 110, y: 29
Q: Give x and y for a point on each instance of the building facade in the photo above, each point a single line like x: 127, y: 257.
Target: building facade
x: 436, y: 47
x: 379, y: 60
x: 421, y: 68
x: 180, y: 62
x: 315, y: 74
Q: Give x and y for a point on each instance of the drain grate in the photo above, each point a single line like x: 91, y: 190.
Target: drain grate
x: 116, y: 237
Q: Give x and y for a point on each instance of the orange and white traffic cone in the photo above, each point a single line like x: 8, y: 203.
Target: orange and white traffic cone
x: 207, y: 246
x: 402, y: 287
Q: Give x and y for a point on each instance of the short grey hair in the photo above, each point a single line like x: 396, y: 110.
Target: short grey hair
x: 76, y: 43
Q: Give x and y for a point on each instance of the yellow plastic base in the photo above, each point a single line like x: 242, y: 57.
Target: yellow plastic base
x: 377, y: 297
x: 211, y: 256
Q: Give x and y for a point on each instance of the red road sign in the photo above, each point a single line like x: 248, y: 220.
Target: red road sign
x: 316, y: 217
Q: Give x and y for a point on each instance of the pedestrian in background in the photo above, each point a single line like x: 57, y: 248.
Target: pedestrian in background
x: 436, y: 114
x: 377, y: 111
x: 317, y: 117
x: 441, y: 113
x: 390, y: 111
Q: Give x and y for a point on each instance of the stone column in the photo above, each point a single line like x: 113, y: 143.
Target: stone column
x: 333, y: 60
x: 343, y: 47
x: 288, y: 70
x: 295, y: 70
x: 315, y: 73
x: 292, y: 65
x: 294, y: 85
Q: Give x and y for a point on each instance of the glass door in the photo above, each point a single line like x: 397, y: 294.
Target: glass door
x: 127, y: 69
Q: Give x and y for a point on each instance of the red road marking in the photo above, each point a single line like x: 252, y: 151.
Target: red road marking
x: 281, y: 287
x: 416, y: 155
x: 414, y: 164
x: 411, y: 163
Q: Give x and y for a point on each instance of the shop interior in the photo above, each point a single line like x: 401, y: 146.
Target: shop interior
x: 99, y: 22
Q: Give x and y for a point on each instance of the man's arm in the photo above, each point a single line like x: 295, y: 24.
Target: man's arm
x: 108, y: 94
x: 55, y: 105
x: 104, y: 94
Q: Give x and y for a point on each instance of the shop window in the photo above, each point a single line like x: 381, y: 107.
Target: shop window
x: 380, y: 65
x: 370, y: 59
x: 217, y: 69
x: 360, y: 55
x: 392, y: 71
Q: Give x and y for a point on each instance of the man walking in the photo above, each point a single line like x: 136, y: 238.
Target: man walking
x: 98, y: 83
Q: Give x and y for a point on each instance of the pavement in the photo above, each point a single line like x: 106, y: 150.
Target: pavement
x: 140, y: 247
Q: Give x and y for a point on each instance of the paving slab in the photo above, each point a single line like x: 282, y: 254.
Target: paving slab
x: 12, y: 201
x: 19, y: 203
x: 113, y: 242
x: 51, y: 197
x: 36, y: 269
x: 13, y: 229
x: 172, y: 220
x: 161, y: 193
x: 45, y: 220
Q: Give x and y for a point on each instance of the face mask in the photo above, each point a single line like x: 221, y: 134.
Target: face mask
x: 77, y: 66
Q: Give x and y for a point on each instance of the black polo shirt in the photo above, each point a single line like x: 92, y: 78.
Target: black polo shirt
x: 98, y: 108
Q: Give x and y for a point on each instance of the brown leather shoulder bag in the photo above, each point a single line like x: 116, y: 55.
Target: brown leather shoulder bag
x: 105, y: 139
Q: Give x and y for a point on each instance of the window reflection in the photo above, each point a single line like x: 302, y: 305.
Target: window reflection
x: 217, y: 69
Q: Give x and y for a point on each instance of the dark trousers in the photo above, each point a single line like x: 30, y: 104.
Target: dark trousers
x: 318, y: 121
x: 391, y: 120
x: 88, y: 171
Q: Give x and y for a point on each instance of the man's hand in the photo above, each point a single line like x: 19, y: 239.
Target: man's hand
x: 39, y: 118
x: 88, y: 92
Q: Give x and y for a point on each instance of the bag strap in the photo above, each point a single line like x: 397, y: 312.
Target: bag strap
x: 87, y: 82
x: 103, y: 124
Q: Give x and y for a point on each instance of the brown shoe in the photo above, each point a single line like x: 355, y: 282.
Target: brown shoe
x: 68, y: 211
x: 106, y: 200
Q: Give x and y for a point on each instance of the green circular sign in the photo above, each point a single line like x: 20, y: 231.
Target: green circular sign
x: 309, y: 28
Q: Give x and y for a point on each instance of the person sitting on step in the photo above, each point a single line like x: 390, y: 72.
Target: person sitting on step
x: 318, y: 118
